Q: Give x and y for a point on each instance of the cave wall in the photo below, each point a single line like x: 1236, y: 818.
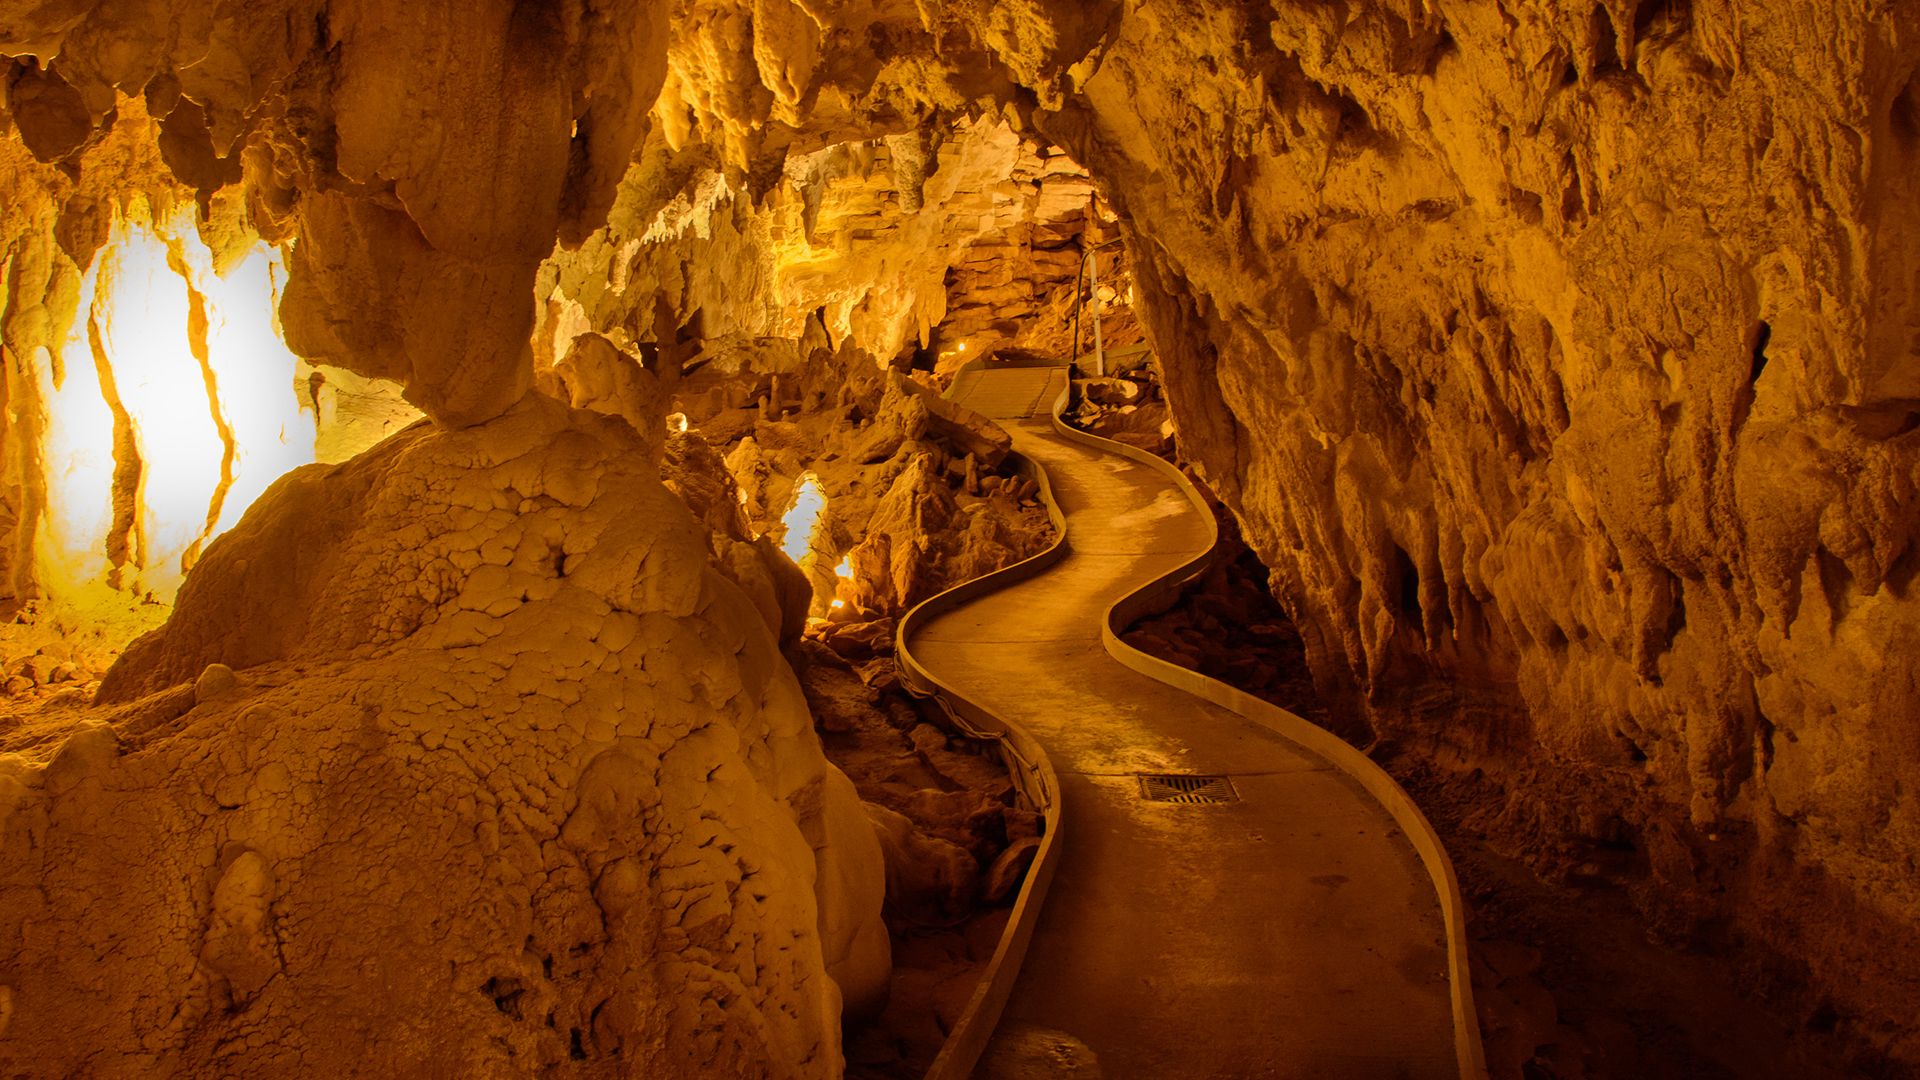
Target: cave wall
x: 427, y: 158
x: 55, y: 223
x: 149, y: 396
x: 1557, y: 357
x: 969, y: 237
x: 1558, y: 360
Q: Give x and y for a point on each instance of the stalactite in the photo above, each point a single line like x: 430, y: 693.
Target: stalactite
x: 1455, y: 304
x: 126, y: 539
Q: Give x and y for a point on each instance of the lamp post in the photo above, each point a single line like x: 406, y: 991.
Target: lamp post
x: 1090, y: 264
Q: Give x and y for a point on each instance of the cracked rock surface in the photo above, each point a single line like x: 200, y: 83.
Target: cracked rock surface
x: 1557, y: 358
x: 508, y: 781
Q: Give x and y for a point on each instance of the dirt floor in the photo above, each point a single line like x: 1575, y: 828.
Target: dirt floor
x: 51, y: 663
x: 1571, y: 982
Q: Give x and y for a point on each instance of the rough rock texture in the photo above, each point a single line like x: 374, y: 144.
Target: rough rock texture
x: 504, y: 764
x: 52, y: 226
x: 1557, y: 357
x: 148, y: 396
x: 426, y: 158
x: 949, y: 250
x: 956, y: 837
x: 1127, y: 405
x: 693, y: 469
x: 919, y: 493
x: 894, y: 462
x: 1227, y: 626
x: 428, y: 162
x: 48, y: 656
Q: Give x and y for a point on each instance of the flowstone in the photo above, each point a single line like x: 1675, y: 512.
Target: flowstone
x: 505, y: 780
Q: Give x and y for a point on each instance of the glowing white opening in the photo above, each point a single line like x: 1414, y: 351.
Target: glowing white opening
x: 186, y: 364
x: 802, y: 519
x: 254, y: 375
x: 141, y: 314
x: 843, y: 572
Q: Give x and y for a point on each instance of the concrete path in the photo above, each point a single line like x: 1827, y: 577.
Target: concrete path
x: 1291, y: 934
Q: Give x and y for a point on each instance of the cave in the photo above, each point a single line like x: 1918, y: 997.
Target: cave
x: 1248, y: 538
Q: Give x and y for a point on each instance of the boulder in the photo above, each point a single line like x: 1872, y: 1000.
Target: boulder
x: 929, y: 880
x: 507, y: 766
x: 912, y: 413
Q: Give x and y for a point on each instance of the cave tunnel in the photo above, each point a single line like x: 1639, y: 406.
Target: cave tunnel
x: 1251, y: 538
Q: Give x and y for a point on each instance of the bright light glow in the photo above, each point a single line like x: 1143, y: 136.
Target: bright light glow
x: 187, y: 363
x: 963, y: 346
x: 77, y: 449
x: 569, y: 321
x: 844, y: 574
x: 253, y: 373
x: 693, y: 214
x: 802, y: 519
x: 140, y: 318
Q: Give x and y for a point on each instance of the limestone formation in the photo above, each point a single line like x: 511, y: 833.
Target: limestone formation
x: 471, y: 713
x: 1127, y: 407
x: 955, y: 839
x: 983, y: 254
x: 1544, y: 352
x: 1557, y: 360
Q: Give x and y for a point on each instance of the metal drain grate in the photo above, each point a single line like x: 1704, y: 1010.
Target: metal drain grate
x: 1174, y: 788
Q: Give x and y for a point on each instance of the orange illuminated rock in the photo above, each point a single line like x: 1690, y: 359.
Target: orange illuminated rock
x: 955, y: 246
x: 494, y: 730
x: 1558, y: 360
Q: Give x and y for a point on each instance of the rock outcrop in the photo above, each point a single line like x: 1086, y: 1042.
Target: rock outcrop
x: 465, y: 733
x: 957, y: 839
x: 919, y: 493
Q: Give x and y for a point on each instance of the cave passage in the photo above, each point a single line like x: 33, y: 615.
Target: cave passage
x: 1289, y: 932
x: 467, y: 469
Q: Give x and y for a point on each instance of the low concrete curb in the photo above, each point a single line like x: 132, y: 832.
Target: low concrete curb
x: 1156, y: 596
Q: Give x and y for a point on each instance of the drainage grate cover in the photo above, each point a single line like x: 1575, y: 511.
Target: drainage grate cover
x: 1174, y: 788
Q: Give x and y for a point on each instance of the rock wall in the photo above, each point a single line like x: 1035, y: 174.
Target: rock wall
x: 427, y: 159
x: 149, y: 397
x: 1557, y: 358
x: 51, y: 223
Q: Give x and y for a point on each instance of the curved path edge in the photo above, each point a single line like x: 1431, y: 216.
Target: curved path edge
x: 1157, y: 595
x: 1031, y: 768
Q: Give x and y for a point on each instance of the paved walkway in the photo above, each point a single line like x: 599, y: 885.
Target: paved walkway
x: 1290, y: 934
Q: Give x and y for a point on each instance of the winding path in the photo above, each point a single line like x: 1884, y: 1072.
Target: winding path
x: 1294, y: 933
